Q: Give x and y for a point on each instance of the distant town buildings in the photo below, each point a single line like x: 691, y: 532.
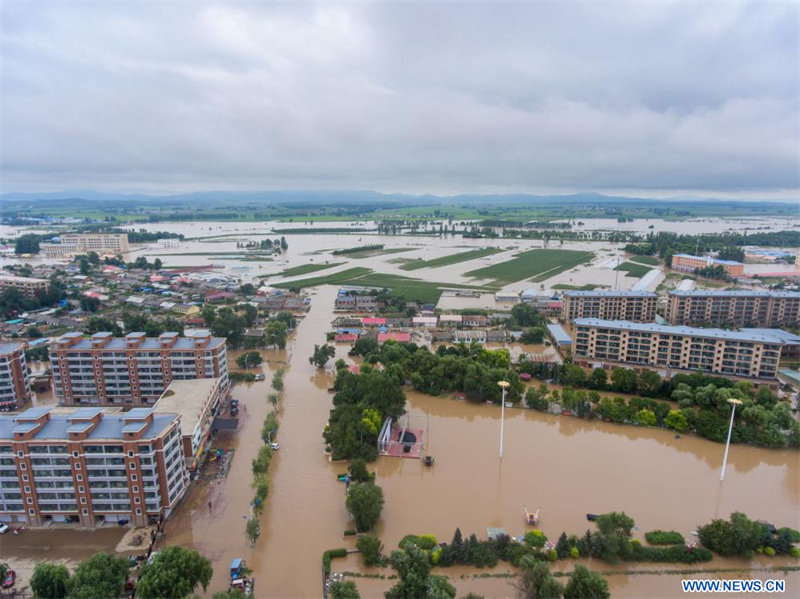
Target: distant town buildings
x: 689, y: 263
x: 736, y: 308
x: 635, y: 306
x: 132, y: 370
x: 90, y: 466
x: 28, y: 286
x: 168, y: 243
x: 750, y: 353
x: 15, y: 389
x: 81, y: 243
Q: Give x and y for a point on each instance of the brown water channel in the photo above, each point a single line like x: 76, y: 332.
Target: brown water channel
x: 566, y: 466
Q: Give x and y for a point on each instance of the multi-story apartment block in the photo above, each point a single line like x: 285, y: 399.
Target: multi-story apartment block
x: 15, y: 388
x: 751, y: 353
x: 28, y: 286
x: 135, y: 369
x: 77, y: 243
x: 356, y: 303
x: 89, y: 466
x: 636, y: 306
x: 689, y: 263
x: 736, y: 308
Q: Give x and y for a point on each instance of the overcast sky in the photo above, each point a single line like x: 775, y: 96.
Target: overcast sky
x: 650, y: 97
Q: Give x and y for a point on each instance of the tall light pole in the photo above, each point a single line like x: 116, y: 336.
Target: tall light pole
x: 503, y: 386
x: 734, y: 403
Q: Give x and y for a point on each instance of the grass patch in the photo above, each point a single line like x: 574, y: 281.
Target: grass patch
x: 376, y: 252
x: 575, y: 287
x: 453, y: 259
x: 634, y: 270
x: 531, y: 263
x: 307, y: 268
x: 649, y: 260
x: 337, y: 278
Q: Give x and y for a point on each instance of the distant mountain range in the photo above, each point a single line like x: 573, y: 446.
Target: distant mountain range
x: 345, y: 196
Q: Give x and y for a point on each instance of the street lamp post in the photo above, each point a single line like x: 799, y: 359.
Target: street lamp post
x: 734, y: 403
x: 503, y: 386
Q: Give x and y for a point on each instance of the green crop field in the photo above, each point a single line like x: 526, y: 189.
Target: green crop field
x: 565, y: 287
x: 307, y: 268
x: 532, y: 264
x: 452, y: 259
x: 634, y: 270
x: 376, y: 252
x: 649, y: 260
x: 411, y: 289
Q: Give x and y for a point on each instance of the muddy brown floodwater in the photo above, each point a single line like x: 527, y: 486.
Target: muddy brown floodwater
x: 566, y: 466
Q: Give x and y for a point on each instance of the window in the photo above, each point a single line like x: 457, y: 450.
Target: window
x: 23, y: 466
x: 29, y: 500
x: 85, y: 512
x: 81, y: 490
x: 27, y: 489
x: 83, y: 500
x: 135, y: 489
x: 138, y: 511
x: 32, y: 512
x: 130, y: 454
x: 77, y: 465
x: 20, y: 454
x: 74, y: 454
x: 80, y: 477
x: 134, y: 477
x: 25, y: 478
x: 136, y: 500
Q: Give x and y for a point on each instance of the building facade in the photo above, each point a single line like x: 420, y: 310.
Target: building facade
x: 81, y: 243
x: 28, y: 286
x: 689, y: 263
x: 750, y: 354
x: 635, y: 306
x: 15, y: 387
x: 132, y: 370
x: 90, y: 467
x: 736, y: 308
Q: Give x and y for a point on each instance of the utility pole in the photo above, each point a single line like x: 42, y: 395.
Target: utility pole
x: 504, y: 386
x: 734, y: 403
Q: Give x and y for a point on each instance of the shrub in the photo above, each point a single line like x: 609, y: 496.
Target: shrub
x: 769, y: 551
x: 350, y: 532
x: 574, y: 553
x: 794, y: 535
x: 427, y: 542
x: 794, y: 552
x: 552, y: 555
x: 329, y: 555
x: 370, y: 547
x: 535, y: 538
x: 660, y: 537
x: 358, y: 471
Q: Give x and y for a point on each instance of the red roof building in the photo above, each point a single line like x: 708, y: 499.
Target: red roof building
x: 400, y: 337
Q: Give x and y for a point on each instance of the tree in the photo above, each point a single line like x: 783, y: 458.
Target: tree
x: 27, y: 244
x: 34, y: 332
x: 286, y: 318
x: 370, y: 547
x: 624, y: 380
x: 365, y: 503
x: 248, y: 359
x: 322, y: 354
x: 277, y: 380
x: 50, y: 581
x: 536, y: 582
x: 102, y: 575
x: 598, y: 379
x: 100, y: 324
x: 275, y: 333
x: 174, y: 572
x: 247, y: 289
x: 250, y: 314
x: 358, y: 471
x: 343, y: 589
x: 676, y: 421
x: 252, y: 529
x: 413, y: 570
x: 649, y: 383
x: 584, y: 584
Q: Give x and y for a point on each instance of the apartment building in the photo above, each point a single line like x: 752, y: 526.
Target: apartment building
x: 635, y: 306
x: 81, y: 243
x: 90, y: 466
x: 15, y: 388
x: 689, y: 263
x: 28, y: 286
x: 753, y: 353
x: 736, y: 308
x: 197, y: 402
x: 132, y: 370
x: 356, y: 303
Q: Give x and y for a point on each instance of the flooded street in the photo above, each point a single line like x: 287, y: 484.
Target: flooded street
x: 566, y: 466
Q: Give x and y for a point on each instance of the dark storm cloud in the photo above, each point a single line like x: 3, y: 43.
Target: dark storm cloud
x: 439, y: 97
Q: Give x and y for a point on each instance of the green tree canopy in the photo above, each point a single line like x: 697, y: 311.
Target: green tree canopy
x: 101, y: 576
x: 365, y: 503
x: 50, y: 581
x: 174, y: 572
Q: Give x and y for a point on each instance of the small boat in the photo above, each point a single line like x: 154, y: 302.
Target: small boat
x: 591, y: 517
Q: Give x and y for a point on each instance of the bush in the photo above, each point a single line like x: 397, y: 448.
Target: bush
x: 358, y: 471
x: 660, y: 537
x: 535, y: 538
x: 794, y: 552
x: 737, y: 536
x: 769, y: 551
x: 329, y: 555
x: 365, y: 503
x: 427, y: 542
x: 574, y: 553
x: 794, y: 535
x: 370, y: 547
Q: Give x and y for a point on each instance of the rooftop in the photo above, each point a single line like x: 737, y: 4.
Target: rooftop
x: 8, y: 348
x: 187, y: 399
x: 735, y: 293
x: 185, y: 342
x: 112, y: 426
x: 613, y: 293
x: 777, y: 336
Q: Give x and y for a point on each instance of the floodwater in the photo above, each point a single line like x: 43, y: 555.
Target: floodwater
x: 566, y: 466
